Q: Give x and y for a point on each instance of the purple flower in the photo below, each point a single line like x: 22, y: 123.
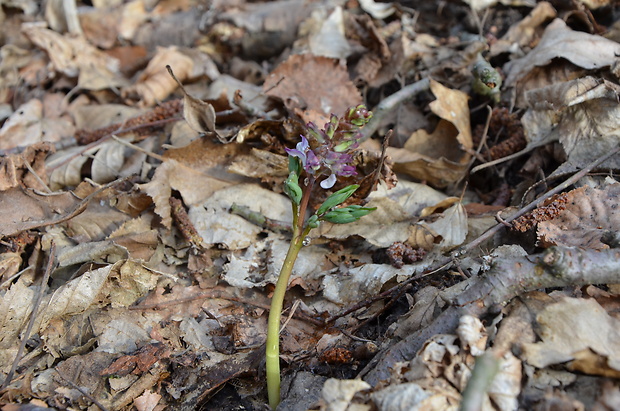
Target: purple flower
x: 326, y: 151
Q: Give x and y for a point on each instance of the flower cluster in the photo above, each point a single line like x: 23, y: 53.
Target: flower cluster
x: 327, y: 151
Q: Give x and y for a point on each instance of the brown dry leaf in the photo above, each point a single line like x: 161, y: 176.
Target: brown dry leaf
x: 582, y: 114
x: 200, y: 115
x: 329, y: 40
x: 147, y: 401
x: 590, y: 214
x: 451, y: 226
x: 37, y: 121
x: 196, y: 171
x: 523, y: 33
x: 216, y: 225
x: 74, y: 57
x: 313, y: 87
x: 15, y: 169
x: 22, y: 210
x: 155, y: 84
x: 577, y: 331
x: 438, y: 157
x: 582, y: 49
x: 396, y: 210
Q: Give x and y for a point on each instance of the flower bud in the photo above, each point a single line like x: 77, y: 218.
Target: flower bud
x: 292, y: 189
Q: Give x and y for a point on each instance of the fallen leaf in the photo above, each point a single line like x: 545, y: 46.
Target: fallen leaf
x: 582, y: 114
x: 582, y: 49
x: 314, y: 87
x: 567, y: 329
x: 438, y: 157
x: 590, y: 214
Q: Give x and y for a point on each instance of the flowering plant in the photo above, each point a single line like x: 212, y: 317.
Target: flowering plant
x: 321, y: 156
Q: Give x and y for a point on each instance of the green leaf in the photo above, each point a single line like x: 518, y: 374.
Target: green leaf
x: 337, y: 198
x: 348, y: 214
x: 292, y: 189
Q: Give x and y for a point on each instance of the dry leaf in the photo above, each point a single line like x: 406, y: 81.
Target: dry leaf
x: 582, y: 114
x: 155, y: 84
x: 196, y: 171
x: 438, y: 157
x: 36, y: 121
x: 314, y: 87
x: 590, y: 214
x: 74, y: 57
x: 582, y: 49
x: 329, y: 40
x: 570, y: 327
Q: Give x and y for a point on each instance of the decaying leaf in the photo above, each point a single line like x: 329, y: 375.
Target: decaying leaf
x: 582, y: 114
x: 582, y: 49
x: 580, y: 333
x: 74, y: 57
x: 589, y: 216
x: 196, y: 171
x: 438, y: 157
x: 155, y: 84
x: 312, y: 87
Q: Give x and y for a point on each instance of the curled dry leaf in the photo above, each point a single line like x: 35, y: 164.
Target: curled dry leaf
x: 580, y: 332
x: 589, y: 215
x: 582, y: 49
x: 155, y: 84
x: 582, y: 114
x: 522, y: 34
x: 75, y: 57
x: 438, y: 157
x: 196, y: 171
x: 329, y: 40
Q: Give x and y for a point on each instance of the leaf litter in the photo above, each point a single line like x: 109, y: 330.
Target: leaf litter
x: 452, y: 294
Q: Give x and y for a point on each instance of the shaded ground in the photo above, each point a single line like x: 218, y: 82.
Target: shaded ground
x: 144, y: 141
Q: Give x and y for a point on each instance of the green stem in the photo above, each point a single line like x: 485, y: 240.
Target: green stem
x: 273, y: 327
x: 272, y: 359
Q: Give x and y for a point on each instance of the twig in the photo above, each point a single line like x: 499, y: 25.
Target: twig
x: 82, y: 391
x: 576, y: 177
x: 390, y: 103
x: 33, y: 316
x: 259, y: 219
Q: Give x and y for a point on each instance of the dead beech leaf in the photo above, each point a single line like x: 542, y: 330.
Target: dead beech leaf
x: 438, y: 157
x: 155, y: 84
x: 589, y: 215
x: 312, y: 86
x: 523, y: 32
x: 15, y: 169
x: 582, y: 114
x: 34, y: 122
x: 196, y: 171
x: 74, y: 57
x: 571, y: 327
x: 451, y: 226
x: 22, y: 210
x: 330, y: 40
x: 582, y: 49
x: 199, y: 114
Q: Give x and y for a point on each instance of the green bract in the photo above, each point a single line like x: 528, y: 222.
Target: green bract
x: 292, y: 189
x: 313, y: 222
x: 337, y: 198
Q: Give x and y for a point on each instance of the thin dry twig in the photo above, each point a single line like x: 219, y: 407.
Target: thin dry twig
x: 33, y: 316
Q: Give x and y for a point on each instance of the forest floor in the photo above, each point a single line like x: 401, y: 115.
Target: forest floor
x: 143, y: 221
